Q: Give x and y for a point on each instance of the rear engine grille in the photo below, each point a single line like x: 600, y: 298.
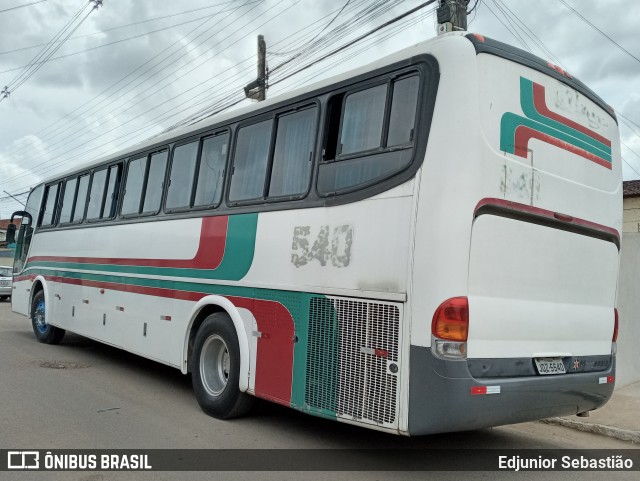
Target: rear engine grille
x: 365, y: 336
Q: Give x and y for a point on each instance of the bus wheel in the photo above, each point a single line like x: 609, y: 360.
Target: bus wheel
x: 44, y: 332
x: 215, y: 368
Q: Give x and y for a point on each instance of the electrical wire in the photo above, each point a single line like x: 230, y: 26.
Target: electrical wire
x: 82, y: 111
x: 21, y: 6
x: 50, y: 49
x: 585, y: 20
x: 105, y: 30
x: 241, y: 98
x: 115, y: 42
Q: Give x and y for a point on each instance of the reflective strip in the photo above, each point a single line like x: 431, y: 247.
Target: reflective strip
x: 475, y: 390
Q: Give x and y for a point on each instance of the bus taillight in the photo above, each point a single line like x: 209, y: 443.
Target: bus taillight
x: 451, y: 320
x: 450, y: 327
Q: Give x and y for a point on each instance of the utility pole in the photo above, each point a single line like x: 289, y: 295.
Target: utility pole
x: 452, y: 15
x: 257, y: 90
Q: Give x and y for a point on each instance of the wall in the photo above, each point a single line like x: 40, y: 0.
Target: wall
x: 629, y: 309
x: 631, y: 214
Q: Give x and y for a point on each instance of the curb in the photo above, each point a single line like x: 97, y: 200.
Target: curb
x: 601, y: 429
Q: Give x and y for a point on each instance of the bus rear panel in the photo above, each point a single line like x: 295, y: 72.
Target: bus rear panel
x: 525, y: 262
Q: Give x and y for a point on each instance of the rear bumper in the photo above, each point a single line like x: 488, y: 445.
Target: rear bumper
x: 441, y: 399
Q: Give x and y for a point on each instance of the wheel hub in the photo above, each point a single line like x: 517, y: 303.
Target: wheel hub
x: 215, y: 365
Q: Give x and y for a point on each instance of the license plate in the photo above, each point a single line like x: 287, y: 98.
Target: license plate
x: 550, y: 366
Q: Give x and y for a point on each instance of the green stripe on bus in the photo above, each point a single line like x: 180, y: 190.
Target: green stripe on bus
x: 297, y: 303
x: 510, y: 122
x: 529, y: 109
x: 238, y: 257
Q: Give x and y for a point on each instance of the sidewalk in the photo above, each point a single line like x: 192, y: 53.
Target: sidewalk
x: 619, y: 418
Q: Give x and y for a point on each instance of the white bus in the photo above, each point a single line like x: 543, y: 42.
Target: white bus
x: 426, y: 244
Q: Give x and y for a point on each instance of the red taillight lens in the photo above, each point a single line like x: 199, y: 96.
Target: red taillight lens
x: 451, y: 320
x: 615, y: 326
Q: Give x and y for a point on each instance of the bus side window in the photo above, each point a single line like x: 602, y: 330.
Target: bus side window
x: 81, y: 199
x: 369, y: 134
x: 96, y: 197
x: 250, y: 161
x: 154, y: 183
x: 111, y: 195
x: 133, y: 186
x: 402, y: 117
x: 293, y: 153
x: 211, y: 170
x: 181, y: 177
x: 49, y: 211
x: 69, y: 197
x: 362, y: 120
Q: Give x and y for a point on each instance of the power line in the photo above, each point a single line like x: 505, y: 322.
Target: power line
x: 139, y: 100
x: 527, y: 31
x: 317, y: 35
x: 584, y: 19
x: 61, y: 126
x: 239, y: 99
x: 71, y: 54
x: 105, y: 30
x: 21, y: 6
x: 515, y: 34
x: 49, y: 49
x: 48, y: 161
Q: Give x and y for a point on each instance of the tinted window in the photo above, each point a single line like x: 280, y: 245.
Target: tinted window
x: 155, y: 182
x: 48, y: 217
x: 67, y: 201
x: 293, y: 153
x: 81, y: 199
x: 250, y: 161
x: 211, y: 170
x: 403, y: 111
x: 183, y: 168
x: 133, y: 187
x: 111, y: 196
x: 362, y: 120
x: 97, y: 194
x: 377, y: 124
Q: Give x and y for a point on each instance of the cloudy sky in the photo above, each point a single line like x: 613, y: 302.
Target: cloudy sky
x: 133, y: 68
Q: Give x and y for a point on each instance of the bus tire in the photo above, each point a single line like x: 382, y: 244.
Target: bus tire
x: 44, y: 332
x: 215, y: 368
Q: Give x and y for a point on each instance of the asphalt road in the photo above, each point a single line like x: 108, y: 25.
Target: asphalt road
x: 82, y: 394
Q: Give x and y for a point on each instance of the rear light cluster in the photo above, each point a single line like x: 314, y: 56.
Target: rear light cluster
x: 450, y: 327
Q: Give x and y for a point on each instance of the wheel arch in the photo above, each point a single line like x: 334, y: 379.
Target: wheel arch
x: 205, y: 307
x: 39, y: 284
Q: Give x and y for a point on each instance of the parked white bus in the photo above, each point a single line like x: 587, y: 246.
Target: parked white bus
x: 426, y: 244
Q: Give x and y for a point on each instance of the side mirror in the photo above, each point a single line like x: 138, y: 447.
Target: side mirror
x: 11, y: 234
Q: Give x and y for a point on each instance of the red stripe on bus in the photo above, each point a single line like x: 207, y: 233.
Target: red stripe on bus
x: 213, y: 236
x: 274, y: 357
x: 541, y: 106
x: 525, y: 134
